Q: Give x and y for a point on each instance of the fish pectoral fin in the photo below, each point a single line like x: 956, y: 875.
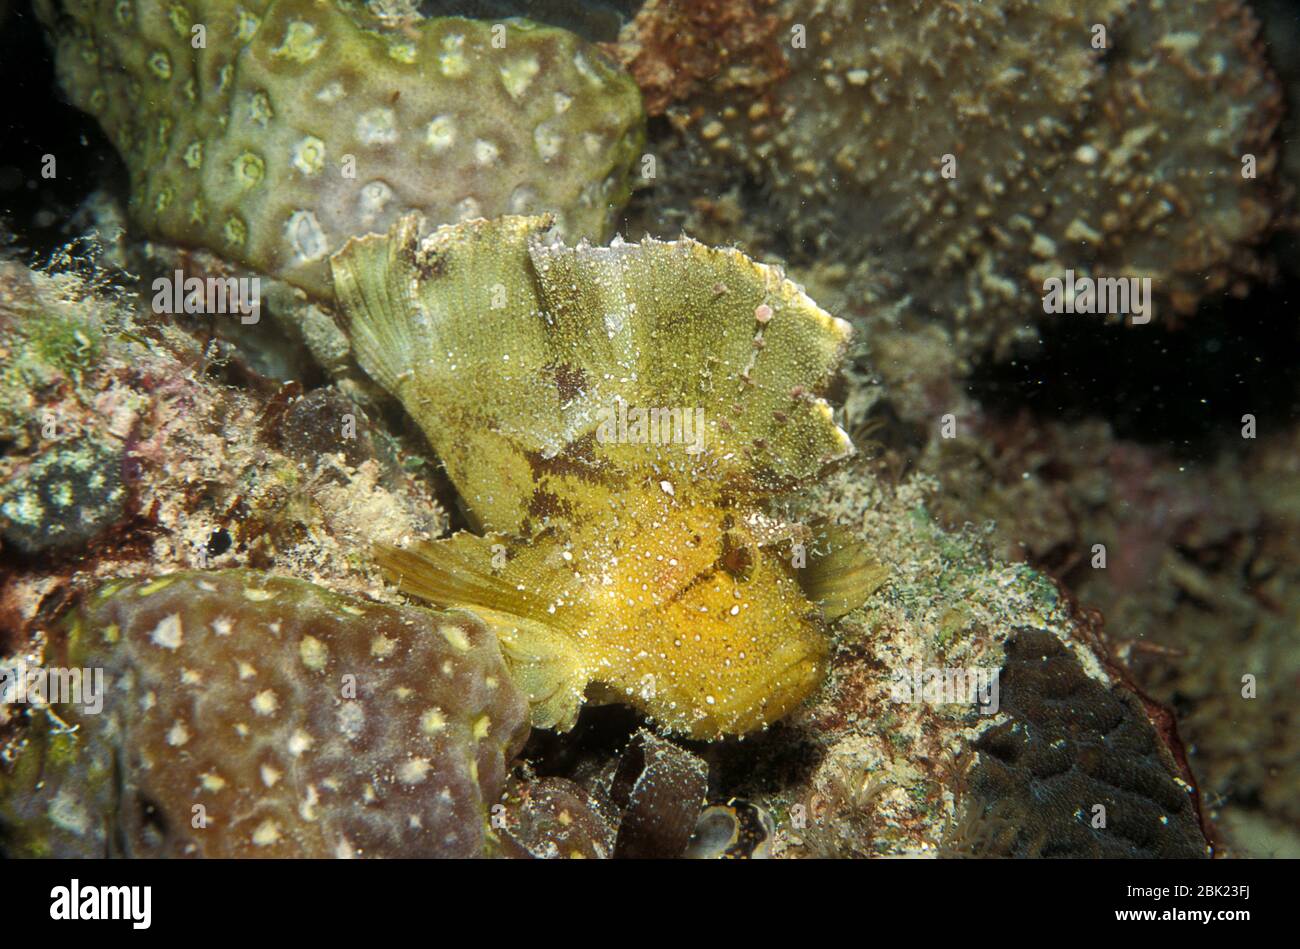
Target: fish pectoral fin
x: 463, y: 571
x: 841, y: 574
x: 544, y: 663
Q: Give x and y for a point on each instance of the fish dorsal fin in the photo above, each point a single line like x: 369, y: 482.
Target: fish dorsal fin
x: 515, y: 353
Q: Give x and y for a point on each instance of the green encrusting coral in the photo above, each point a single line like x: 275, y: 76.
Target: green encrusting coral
x: 270, y: 131
x: 242, y: 714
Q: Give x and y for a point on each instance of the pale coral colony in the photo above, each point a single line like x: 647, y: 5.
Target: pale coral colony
x: 355, y: 571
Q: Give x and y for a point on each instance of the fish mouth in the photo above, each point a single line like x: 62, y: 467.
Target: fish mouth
x: 806, y: 649
x: 793, y: 683
x: 794, y: 676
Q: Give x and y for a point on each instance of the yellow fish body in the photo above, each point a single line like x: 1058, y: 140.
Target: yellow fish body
x: 615, y: 419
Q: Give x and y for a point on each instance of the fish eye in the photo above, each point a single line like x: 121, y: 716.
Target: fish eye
x: 736, y: 558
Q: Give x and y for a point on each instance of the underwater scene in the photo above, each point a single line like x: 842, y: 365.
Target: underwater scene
x: 722, y: 429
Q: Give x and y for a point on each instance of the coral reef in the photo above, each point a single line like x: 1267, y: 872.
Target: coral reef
x: 250, y: 715
x: 884, y: 761
x: 214, y: 465
x: 259, y: 465
x: 270, y: 132
x: 1200, y: 562
x: 634, y: 560
x: 946, y: 186
x: 605, y: 463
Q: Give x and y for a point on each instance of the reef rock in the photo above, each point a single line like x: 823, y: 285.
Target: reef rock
x: 960, y: 154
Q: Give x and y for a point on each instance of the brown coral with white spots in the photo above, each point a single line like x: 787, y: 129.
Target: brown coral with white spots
x: 251, y: 715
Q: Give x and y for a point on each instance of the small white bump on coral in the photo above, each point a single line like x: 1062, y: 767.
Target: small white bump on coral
x: 451, y: 61
x: 372, y: 201
x: 266, y: 834
x: 331, y: 92
x: 314, y: 653
x: 265, y: 702
x: 518, y: 75
x: 456, y: 637
x: 351, y: 719
x: 306, y: 237
x: 309, y: 155
x: 440, y: 134
x: 432, y: 721
x: 178, y: 734
x: 522, y: 200
x: 485, y: 152
x: 377, y: 127
x: 259, y: 108
x: 168, y: 633
x: 548, y: 140
x: 301, y: 43
x: 414, y: 771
